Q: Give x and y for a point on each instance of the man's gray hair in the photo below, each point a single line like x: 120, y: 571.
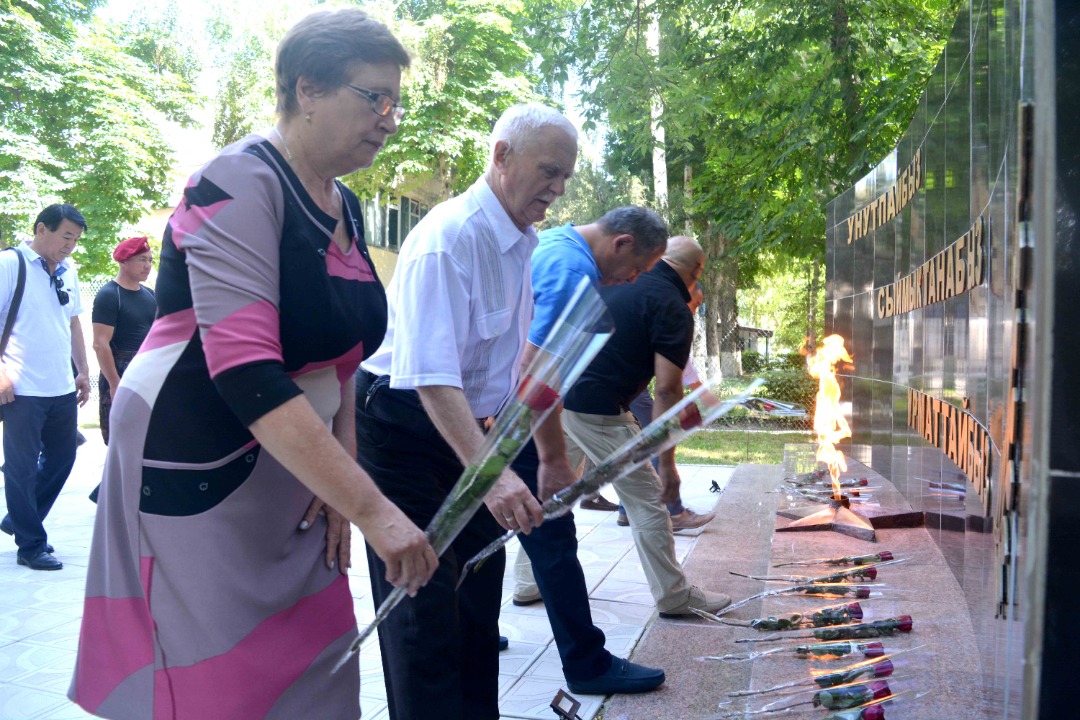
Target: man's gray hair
x: 649, y: 229
x: 520, y: 122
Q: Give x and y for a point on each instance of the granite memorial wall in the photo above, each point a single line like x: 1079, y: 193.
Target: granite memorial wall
x: 922, y: 276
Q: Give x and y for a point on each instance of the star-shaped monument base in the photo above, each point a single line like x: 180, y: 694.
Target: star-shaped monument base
x: 836, y: 516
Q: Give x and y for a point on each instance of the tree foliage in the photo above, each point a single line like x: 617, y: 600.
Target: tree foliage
x: 770, y: 108
x: 470, y: 65
x: 82, y: 107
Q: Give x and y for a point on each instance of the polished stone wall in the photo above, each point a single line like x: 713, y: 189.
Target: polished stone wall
x: 959, y: 350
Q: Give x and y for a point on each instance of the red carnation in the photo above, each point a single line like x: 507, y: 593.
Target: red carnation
x: 885, y: 555
x: 883, y: 668
x: 880, y: 689
x: 873, y: 650
x: 855, y: 611
x: 689, y: 417
x: 536, y: 395
x: 873, y: 712
x: 904, y: 623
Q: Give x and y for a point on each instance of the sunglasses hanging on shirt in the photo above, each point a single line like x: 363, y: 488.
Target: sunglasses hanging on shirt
x: 58, y: 284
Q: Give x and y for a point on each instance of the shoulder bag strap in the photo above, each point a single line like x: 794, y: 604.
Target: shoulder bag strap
x: 16, y: 301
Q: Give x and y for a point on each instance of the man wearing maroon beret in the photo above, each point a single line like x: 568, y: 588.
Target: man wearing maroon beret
x: 124, y: 309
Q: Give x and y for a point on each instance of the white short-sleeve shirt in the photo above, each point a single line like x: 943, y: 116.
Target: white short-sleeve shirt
x: 460, y: 302
x: 38, y: 357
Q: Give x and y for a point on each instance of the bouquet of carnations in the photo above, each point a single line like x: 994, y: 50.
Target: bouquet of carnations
x: 579, y: 333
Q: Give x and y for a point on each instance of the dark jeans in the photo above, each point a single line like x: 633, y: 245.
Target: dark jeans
x: 121, y: 358
x: 440, y: 649
x: 36, y: 427
x: 552, y: 550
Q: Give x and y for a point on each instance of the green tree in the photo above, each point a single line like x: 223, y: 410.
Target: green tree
x: 768, y: 109
x: 470, y: 65
x: 82, y: 106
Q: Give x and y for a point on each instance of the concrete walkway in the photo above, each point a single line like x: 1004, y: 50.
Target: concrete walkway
x: 40, y: 612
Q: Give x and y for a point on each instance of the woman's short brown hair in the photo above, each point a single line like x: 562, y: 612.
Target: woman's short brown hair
x: 324, y: 45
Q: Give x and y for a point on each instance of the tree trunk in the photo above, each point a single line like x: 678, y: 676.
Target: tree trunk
x: 727, y: 273
x: 721, y: 307
x: 812, y: 308
x: 659, y: 152
x: 851, y: 106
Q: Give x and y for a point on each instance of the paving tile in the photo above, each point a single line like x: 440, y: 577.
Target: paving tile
x: 20, y: 659
x: 40, y: 613
x: 23, y: 703
x: 531, y: 697
x: 71, y: 711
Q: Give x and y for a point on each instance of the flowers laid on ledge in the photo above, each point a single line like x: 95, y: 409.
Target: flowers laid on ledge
x: 861, y: 631
x: 830, y: 615
x: 879, y: 557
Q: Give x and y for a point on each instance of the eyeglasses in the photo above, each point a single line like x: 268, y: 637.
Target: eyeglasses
x: 383, y: 105
x: 58, y: 285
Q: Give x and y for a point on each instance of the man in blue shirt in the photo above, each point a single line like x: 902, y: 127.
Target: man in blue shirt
x: 613, y: 250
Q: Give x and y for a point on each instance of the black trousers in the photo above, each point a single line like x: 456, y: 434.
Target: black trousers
x: 440, y: 649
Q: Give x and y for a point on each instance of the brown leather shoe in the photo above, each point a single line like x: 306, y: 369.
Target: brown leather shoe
x: 598, y: 502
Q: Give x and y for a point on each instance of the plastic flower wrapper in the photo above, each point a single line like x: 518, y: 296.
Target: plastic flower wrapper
x: 860, y: 671
x: 841, y: 614
x: 809, y: 478
x: 693, y: 412
x: 575, y: 339
x: 812, y: 651
x: 859, y: 572
x: 857, y: 698
x: 861, y: 631
x: 879, y: 557
x: 814, y: 586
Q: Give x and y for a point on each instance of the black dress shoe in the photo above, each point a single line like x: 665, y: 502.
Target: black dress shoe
x: 598, y: 503
x: 41, y: 561
x: 5, y: 525
x: 504, y: 643
x: 622, y: 677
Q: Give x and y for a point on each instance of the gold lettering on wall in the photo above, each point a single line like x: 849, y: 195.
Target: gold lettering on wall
x: 954, y: 271
x: 886, y: 206
x: 956, y: 433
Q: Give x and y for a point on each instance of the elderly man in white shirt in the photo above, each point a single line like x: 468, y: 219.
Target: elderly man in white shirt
x: 460, y: 304
x: 39, y: 397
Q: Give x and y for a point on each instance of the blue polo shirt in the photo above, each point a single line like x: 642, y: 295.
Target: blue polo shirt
x: 559, y: 262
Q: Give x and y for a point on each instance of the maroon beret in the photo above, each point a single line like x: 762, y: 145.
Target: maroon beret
x: 130, y: 248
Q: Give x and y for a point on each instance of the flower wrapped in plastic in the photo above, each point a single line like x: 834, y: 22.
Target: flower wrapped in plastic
x: 860, y: 701
x: 860, y: 631
x: 580, y: 332
x: 866, y: 669
x: 695, y: 411
x: 811, y: 651
x: 841, y: 614
x: 878, y: 557
x: 858, y: 572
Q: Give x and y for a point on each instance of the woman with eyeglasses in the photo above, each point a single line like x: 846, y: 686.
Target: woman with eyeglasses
x: 217, y: 583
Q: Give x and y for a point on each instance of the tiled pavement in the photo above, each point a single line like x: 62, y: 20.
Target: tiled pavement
x: 40, y: 611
